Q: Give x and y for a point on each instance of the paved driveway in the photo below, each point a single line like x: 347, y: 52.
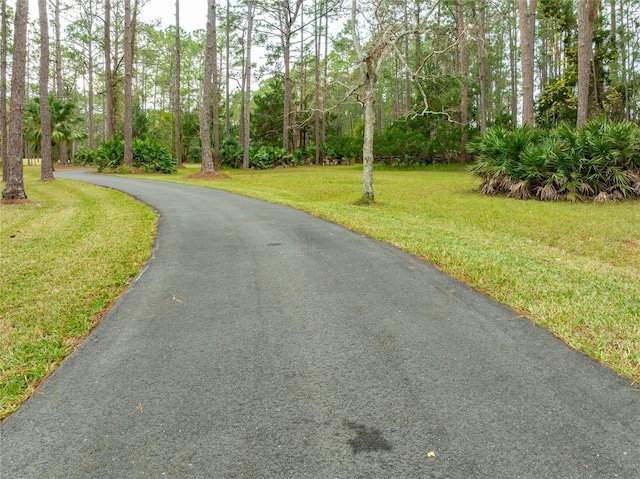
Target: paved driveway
x: 261, y: 342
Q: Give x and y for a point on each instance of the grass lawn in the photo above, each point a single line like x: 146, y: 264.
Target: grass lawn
x: 63, y: 259
x: 573, y: 268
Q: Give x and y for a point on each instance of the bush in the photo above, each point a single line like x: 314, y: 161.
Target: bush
x: 342, y: 149
x: 148, y: 156
x: 270, y: 157
x: 109, y: 155
x: 600, y: 161
x: 151, y: 157
x: 403, y: 143
x: 304, y: 156
x: 85, y: 158
x: 230, y: 153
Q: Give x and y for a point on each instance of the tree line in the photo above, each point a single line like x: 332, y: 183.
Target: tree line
x: 401, y: 81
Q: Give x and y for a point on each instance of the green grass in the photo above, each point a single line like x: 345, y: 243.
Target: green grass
x: 572, y: 268
x: 63, y: 259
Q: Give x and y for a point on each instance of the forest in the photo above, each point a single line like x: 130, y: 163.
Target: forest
x: 267, y: 84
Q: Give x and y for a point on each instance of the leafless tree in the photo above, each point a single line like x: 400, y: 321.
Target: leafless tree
x: 376, y: 28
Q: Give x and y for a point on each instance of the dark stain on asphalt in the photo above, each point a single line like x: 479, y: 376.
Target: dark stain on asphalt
x: 367, y: 439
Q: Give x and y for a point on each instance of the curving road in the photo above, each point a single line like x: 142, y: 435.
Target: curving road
x: 261, y: 342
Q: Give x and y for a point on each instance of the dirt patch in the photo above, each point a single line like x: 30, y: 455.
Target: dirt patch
x: 201, y: 175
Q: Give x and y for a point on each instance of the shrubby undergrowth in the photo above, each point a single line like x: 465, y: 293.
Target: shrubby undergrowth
x: 267, y: 157
x: 148, y: 156
x: 600, y: 161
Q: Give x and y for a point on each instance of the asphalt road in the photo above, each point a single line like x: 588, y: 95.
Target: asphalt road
x: 260, y: 342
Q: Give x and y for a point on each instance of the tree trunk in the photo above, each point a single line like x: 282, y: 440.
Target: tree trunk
x: 289, y: 16
x: 416, y: 38
x: 612, y: 22
x: 128, y: 84
x: 527, y: 45
x: 482, y: 68
x: 624, y: 53
x: 613, y: 25
x: 369, y: 61
x: 597, y: 62
x: 298, y: 110
x: 316, y: 109
x: 108, y: 74
x: 325, y: 65
x: 3, y: 91
x: 227, y: 108
x: 288, y: 100
x: 369, y: 131
x: 207, y: 89
x: 14, y: 187
x: 91, y: 106
x: 46, y: 165
x: 585, y: 37
x: 176, y: 99
x: 464, y: 76
x: 396, y: 98
x: 243, y: 92
x: 513, y: 68
x: 246, y: 140
x: 215, y: 94
x: 64, y: 151
x: 407, y: 73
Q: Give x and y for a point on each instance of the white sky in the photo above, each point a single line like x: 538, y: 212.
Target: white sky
x: 193, y: 13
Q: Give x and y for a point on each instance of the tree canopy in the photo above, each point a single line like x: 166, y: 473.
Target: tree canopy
x: 444, y: 71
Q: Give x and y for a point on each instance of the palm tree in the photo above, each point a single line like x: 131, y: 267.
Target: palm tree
x: 65, y: 122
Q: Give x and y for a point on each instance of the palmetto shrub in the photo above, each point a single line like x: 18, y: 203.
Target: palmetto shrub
x: 152, y: 157
x: 600, y: 161
x: 85, y: 157
x: 500, y: 157
x: 269, y: 157
x: 148, y: 156
x: 230, y: 152
x: 109, y: 155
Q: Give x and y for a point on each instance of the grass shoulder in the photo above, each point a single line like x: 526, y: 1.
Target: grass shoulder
x: 66, y: 256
